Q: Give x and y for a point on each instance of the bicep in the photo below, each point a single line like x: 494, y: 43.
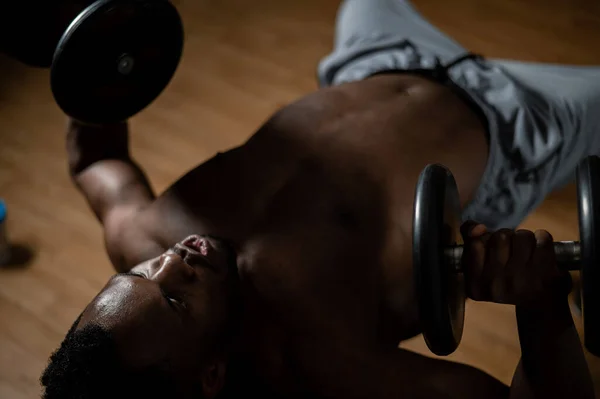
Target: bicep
x: 127, y: 241
x: 119, y: 194
x: 109, y: 184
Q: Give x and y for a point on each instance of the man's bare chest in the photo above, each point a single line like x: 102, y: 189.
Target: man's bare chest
x: 309, y: 257
x: 310, y: 235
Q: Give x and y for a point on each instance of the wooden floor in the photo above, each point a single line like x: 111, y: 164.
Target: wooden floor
x: 243, y: 60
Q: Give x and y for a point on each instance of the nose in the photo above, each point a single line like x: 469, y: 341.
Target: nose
x: 172, y: 270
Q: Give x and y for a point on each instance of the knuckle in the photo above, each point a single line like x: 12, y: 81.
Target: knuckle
x: 526, y: 236
x: 501, y: 238
x: 524, y: 245
x: 503, y: 234
x: 543, y: 237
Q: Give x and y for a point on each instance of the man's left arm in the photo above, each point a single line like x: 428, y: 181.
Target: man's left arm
x: 115, y: 188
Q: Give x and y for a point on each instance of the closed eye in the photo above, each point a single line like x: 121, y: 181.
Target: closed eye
x: 173, y: 303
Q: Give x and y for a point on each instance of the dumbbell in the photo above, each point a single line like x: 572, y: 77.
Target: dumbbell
x: 437, y: 253
x: 108, y: 59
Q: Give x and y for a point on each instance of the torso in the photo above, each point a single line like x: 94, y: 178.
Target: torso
x: 319, y: 204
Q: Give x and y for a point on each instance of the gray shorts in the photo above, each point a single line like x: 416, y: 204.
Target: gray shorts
x: 542, y: 119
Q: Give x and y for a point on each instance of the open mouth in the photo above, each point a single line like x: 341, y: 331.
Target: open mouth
x: 200, y: 251
x: 197, y: 244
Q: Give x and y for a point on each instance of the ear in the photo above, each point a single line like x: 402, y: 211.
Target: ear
x: 213, y: 378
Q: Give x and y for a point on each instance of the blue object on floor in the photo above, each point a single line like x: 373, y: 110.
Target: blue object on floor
x: 2, y: 211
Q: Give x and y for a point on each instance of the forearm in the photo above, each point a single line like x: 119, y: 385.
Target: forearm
x: 87, y: 145
x: 102, y: 169
x: 552, y: 362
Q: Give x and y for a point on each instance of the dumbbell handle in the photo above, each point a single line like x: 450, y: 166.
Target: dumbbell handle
x: 568, y: 255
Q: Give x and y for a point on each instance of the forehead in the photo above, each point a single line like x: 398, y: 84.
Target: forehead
x: 142, y: 327
x: 122, y: 301
x: 121, y: 293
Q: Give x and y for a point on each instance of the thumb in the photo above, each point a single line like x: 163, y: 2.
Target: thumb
x: 471, y: 229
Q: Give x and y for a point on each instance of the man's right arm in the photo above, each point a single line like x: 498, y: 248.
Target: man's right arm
x: 553, y: 363
x: 505, y: 267
x: 520, y: 268
x: 115, y: 188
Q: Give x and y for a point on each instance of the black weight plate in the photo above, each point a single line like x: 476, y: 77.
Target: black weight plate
x: 588, y: 198
x: 115, y: 58
x: 440, y: 287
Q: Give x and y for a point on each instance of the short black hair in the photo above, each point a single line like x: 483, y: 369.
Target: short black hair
x: 87, y: 366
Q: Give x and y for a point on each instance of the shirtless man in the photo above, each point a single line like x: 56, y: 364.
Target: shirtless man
x: 284, y: 266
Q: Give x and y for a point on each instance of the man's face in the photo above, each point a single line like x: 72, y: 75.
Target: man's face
x: 170, y: 309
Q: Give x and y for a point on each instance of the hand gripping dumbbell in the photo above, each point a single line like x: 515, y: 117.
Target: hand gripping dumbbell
x: 108, y: 59
x: 437, y: 253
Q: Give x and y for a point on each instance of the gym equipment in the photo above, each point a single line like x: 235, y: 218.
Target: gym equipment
x: 4, y: 245
x: 438, y: 247
x: 112, y: 60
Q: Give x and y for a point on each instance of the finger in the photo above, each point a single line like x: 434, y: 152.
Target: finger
x: 545, y: 259
x: 471, y: 229
x: 551, y: 281
x: 473, y: 262
x: 544, y: 238
x: 498, y: 254
x: 565, y: 280
x: 518, y: 271
x: 524, y: 243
